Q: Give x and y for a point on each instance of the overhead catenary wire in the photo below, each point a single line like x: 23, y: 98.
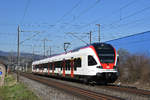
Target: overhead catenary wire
x: 130, y: 15
x: 59, y: 20
x: 87, y: 9
x: 30, y: 37
x: 127, y: 36
x: 131, y: 42
x: 116, y: 26
x: 133, y: 23
x: 77, y: 38
x: 84, y: 11
x: 66, y: 14
x: 130, y: 24
x: 25, y: 11
x: 116, y: 11
x: 128, y: 4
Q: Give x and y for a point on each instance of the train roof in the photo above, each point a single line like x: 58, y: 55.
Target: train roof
x: 81, y: 47
x: 75, y: 50
x: 93, y: 44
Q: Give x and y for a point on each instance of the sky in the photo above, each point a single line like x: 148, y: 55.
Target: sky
x: 135, y: 44
x: 60, y: 21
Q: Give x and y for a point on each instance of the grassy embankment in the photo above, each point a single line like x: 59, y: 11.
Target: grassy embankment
x: 15, y: 91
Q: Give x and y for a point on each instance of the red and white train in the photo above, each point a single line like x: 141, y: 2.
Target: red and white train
x: 93, y: 63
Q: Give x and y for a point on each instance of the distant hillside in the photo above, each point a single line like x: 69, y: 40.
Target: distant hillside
x: 2, y: 53
x: 26, y: 55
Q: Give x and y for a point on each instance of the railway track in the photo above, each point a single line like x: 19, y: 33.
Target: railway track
x: 131, y: 90
x: 89, y: 95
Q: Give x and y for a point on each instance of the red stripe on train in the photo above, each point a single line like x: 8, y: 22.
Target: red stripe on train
x: 53, y: 69
x: 48, y: 68
x: 64, y: 64
x: 72, y: 68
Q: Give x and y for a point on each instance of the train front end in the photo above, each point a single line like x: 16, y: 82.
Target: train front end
x: 107, y: 69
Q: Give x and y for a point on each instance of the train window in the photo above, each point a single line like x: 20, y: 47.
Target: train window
x: 50, y: 66
x: 58, y: 64
x: 91, y: 61
x: 75, y: 68
x: 36, y: 66
x: 45, y: 65
x: 40, y: 67
x: 68, y: 68
x: 55, y: 64
x: 77, y: 62
x: 68, y: 64
x: 106, y: 53
x: 62, y: 64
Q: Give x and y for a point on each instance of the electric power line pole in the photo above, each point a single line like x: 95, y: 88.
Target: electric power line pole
x: 90, y: 37
x: 44, y: 40
x: 18, y: 54
x: 98, y: 32
x: 44, y: 46
x: 33, y: 54
x: 18, y: 48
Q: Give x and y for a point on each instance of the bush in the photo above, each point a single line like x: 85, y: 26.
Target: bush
x: 134, y: 67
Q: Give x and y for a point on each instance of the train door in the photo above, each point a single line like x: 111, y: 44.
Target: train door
x: 84, y: 65
x: 64, y: 65
x: 72, y: 67
x: 48, y: 68
x: 53, y: 68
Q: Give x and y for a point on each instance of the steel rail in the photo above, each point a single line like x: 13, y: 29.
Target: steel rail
x: 89, y: 95
x: 129, y: 90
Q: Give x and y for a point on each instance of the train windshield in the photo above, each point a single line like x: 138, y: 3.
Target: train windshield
x: 105, y: 53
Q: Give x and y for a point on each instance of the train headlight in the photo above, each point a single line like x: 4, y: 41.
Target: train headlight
x: 99, y: 67
x: 115, y: 67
